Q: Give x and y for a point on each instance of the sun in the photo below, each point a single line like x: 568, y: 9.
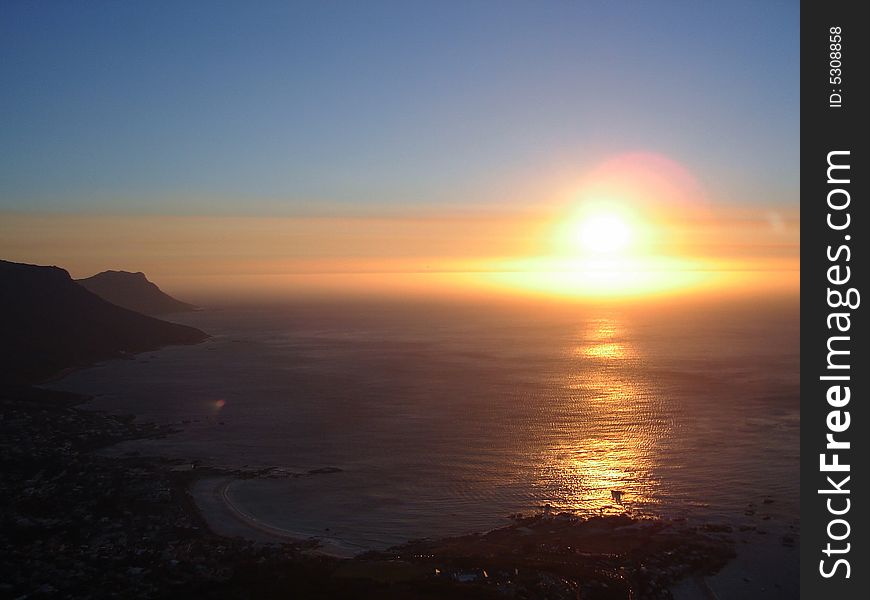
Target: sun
x: 603, y: 249
x: 603, y: 233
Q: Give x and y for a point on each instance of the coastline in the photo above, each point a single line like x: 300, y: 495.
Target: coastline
x: 746, y: 572
x: 146, y: 534
x: 85, y: 525
x: 203, y: 494
x: 224, y: 517
x: 66, y: 371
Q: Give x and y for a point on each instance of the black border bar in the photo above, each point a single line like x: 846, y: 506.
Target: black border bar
x: 834, y: 337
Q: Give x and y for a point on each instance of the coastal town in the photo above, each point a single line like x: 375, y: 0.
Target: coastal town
x: 77, y: 523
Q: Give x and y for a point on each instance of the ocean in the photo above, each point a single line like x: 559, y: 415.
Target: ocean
x: 407, y: 420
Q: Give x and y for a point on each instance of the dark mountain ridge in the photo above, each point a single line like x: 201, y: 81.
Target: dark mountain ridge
x: 134, y: 292
x: 49, y: 323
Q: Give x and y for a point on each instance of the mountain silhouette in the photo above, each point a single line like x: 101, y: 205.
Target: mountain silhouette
x: 133, y: 291
x: 49, y: 323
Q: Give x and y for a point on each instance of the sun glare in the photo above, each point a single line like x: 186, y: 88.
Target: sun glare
x: 605, y: 248
x: 604, y: 234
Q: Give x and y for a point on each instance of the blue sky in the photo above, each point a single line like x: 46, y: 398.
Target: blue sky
x: 270, y: 108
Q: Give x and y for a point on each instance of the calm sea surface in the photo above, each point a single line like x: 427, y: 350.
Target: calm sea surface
x: 444, y: 419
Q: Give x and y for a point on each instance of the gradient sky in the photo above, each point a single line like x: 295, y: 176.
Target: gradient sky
x: 288, y: 107
x: 284, y: 147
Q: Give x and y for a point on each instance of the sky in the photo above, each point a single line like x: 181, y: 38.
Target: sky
x: 153, y: 112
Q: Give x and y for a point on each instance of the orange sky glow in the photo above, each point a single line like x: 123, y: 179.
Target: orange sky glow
x: 637, y: 225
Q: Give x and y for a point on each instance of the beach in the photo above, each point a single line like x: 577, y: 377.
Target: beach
x: 146, y: 537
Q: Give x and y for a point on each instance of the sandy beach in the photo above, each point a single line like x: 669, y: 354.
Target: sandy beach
x: 749, y: 572
x: 223, y: 515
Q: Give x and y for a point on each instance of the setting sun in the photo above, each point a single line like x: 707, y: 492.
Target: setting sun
x: 604, y: 233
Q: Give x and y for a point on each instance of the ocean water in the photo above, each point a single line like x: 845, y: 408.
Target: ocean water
x: 440, y: 419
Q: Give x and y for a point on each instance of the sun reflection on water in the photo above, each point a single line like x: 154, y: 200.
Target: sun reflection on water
x: 621, y: 421
x: 608, y: 350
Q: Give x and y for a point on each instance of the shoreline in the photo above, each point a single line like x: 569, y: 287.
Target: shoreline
x: 164, y: 539
x: 81, y: 524
x: 224, y: 517
x: 66, y: 371
x: 739, y: 574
